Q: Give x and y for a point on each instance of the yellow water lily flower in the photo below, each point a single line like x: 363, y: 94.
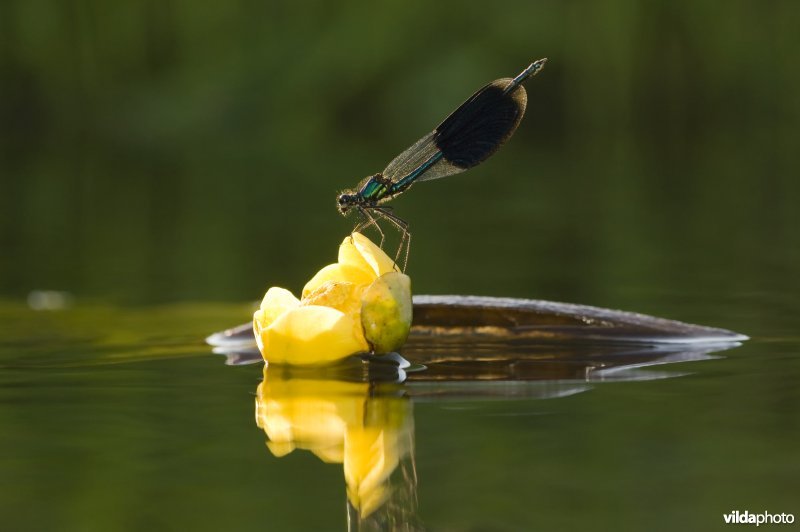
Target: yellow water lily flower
x: 360, y: 303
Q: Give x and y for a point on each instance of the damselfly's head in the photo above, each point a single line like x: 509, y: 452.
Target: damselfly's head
x: 347, y: 200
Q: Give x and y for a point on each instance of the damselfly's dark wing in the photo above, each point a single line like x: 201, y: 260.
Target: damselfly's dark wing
x: 467, y: 137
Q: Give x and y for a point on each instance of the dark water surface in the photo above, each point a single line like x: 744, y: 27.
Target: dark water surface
x: 121, y: 419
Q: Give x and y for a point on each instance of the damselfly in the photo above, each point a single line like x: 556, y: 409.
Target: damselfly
x: 465, y: 139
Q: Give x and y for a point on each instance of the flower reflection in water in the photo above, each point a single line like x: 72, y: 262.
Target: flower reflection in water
x: 366, y: 427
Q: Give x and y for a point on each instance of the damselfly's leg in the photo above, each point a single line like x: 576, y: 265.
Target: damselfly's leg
x: 367, y: 221
x: 402, y: 226
x: 407, y: 237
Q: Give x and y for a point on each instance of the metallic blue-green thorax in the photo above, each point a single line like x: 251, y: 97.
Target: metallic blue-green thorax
x: 379, y: 188
x: 374, y: 189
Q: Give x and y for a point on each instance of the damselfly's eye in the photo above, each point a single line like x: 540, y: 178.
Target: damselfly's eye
x: 344, y: 202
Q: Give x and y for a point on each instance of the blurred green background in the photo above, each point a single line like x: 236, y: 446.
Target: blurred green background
x: 182, y: 152
x: 167, y: 150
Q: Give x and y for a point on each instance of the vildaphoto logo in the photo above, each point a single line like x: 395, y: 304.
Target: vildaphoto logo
x: 764, y: 518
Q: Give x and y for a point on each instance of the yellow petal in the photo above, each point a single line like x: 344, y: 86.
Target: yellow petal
x: 359, y: 251
x: 276, y: 301
x: 386, y: 312
x: 310, y: 335
x: 339, y: 272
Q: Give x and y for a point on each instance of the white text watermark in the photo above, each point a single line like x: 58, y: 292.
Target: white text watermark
x: 764, y: 518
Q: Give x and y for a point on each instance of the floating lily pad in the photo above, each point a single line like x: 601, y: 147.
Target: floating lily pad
x: 465, y: 319
x: 478, y: 347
